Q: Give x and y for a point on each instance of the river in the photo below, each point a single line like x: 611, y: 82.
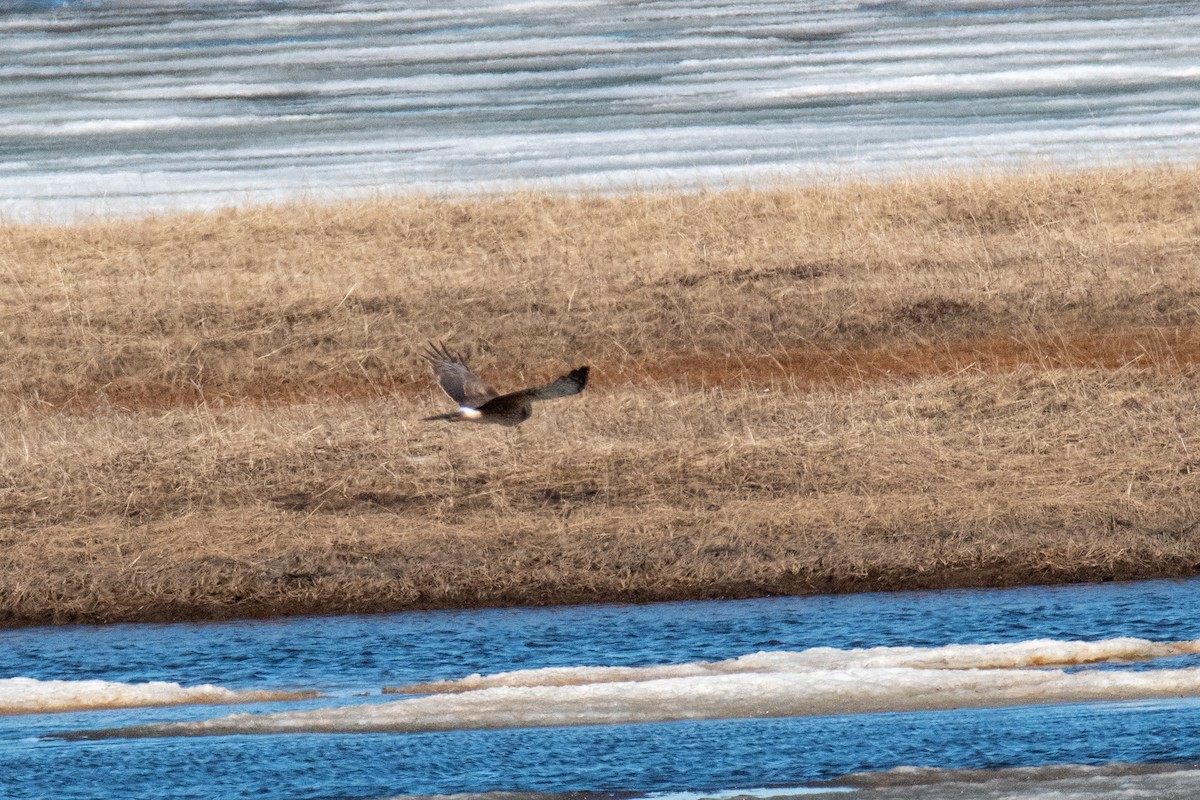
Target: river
x: 698, y: 698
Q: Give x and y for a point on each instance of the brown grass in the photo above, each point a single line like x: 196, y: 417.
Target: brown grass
x: 944, y: 382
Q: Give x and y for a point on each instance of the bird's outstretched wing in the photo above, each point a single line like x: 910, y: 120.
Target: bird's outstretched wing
x: 456, y: 378
x: 569, y: 384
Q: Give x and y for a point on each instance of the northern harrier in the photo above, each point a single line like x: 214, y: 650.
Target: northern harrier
x: 479, y: 402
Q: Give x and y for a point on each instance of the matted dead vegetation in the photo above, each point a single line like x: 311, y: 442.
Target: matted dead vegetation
x: 944, y: 382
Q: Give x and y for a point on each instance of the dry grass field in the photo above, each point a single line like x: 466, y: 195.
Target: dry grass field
x: 985, y: 380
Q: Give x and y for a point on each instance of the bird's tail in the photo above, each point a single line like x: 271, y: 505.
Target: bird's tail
x: 453, y: 416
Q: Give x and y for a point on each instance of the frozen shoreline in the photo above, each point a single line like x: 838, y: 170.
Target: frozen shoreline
x: 132, y: 110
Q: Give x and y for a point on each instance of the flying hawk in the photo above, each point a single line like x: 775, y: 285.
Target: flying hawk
x: 479, y: 402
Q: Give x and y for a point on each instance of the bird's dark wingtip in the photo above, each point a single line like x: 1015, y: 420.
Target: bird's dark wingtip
x: 438, y: 353
x: 581, y: 375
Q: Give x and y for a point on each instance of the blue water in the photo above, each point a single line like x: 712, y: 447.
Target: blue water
x: 346, y: 656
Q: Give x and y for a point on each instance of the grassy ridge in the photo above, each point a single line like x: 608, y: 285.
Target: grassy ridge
x: 925, y: 383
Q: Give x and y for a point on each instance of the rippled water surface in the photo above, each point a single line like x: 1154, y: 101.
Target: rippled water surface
x: 152, y: 104
x: 348, y: 660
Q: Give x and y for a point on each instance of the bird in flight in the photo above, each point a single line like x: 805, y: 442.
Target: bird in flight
x: 479, y: 402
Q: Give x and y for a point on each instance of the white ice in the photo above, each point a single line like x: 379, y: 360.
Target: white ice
x: 1032, y: 653
x: 820, y: 681
x: 32, y: 696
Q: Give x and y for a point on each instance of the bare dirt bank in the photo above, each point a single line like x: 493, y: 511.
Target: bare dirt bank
x: 985, y: 381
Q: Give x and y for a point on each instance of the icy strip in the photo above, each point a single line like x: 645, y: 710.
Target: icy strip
x: 747, y: 794
x: 1117, y: 781
x: 751, y: 695
x: 32, y: 696
x: 1033, y: 653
